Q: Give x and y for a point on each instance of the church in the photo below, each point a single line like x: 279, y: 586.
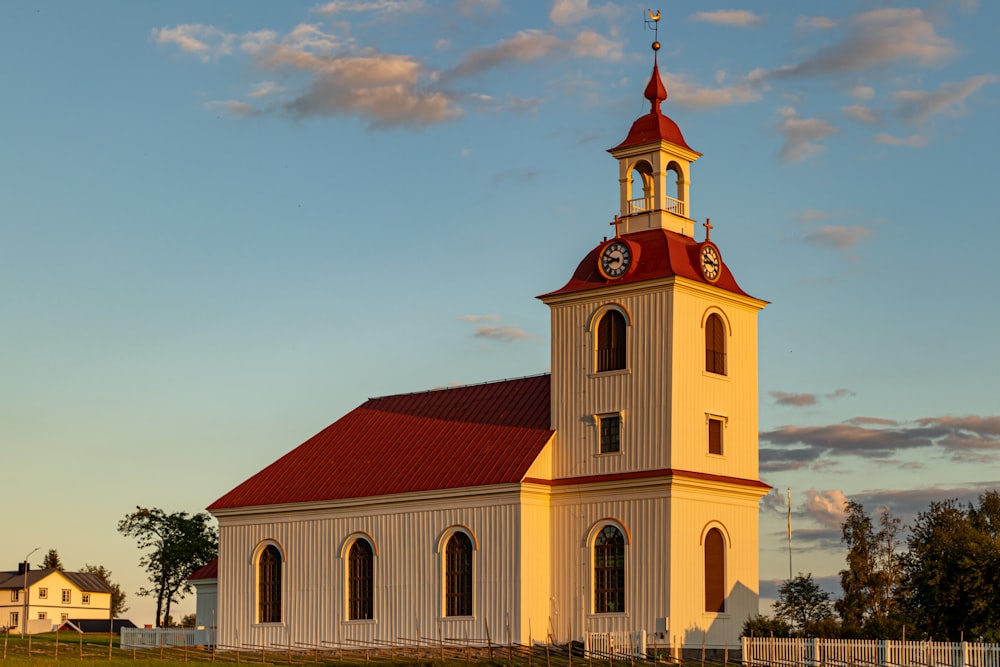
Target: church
x: 616, y: 496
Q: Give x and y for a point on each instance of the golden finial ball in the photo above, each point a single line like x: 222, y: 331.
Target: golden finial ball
x: 656, y: 46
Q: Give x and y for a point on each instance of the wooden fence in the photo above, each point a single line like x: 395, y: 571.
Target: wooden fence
x: 783, y: 652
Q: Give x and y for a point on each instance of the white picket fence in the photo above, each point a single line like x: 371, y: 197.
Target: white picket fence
x: 784, y: 652
x: 140, y: 638
x: 616, y: 643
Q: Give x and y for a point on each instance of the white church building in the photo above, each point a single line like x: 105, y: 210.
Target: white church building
x: 618, y: 494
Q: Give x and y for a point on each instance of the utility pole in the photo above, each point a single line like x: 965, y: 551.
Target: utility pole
x: 25, y: 566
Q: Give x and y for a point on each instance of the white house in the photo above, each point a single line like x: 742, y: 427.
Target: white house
x: 618, y: 494
x: 206, y: 586
x: 45, y: 598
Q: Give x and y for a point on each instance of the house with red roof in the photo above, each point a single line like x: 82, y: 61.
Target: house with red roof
x: 611, y: 501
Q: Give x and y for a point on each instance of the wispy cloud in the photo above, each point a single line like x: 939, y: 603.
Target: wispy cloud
x: 828, y: 507
x: 794, y: 400
x: 875, y: 39
x: 477, y: 7
x: 917, y: 106
x: 728, y: 92
x: 914, y: 140
x: 205, y: 41
x: 506, y: 333
x: 802, y: 135
x: 479, y: 318
x: 730, y: 17
x: 838, y: 237
x: 814, y: 23
x: 812, y: 214
x: 376, y: 6
x: 568, y: 12
x: 861, y: 113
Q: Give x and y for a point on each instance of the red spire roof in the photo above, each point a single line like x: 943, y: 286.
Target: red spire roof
x: 656, y: 253
x: 477, y: 435
x: 654, y: 126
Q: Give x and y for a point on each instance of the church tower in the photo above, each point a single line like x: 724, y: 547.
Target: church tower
x: 655, y: 483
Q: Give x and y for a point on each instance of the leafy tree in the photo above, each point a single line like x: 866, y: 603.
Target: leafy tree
x: 803, y: 604
x: 950, y: 570
x: 765, y: 626
x: 189, y: 620
x: 871, y: 581
x: 118, y: 606
x: 177, y: 545
x: 52, y: 561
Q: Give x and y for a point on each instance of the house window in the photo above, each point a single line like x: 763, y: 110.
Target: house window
x: 42, y: 615
x: 63, y: 617
x: 43, y: 594
x: 85, y: 598
x: 361, y: 582
x: 458, y: 576
x: 715, y: 345
x: 611, y: 342
x: 15, y: 619
x: 611, y: 433
x: 269, y: 585
x: 67, y: 596
x: 715, y: 435
x: 15, y: 595
x: 715, y: 571
x: 609, y: 571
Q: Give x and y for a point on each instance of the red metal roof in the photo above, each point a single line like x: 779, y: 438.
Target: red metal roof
x: 209, y: 570
x: 654, y: 126
x: 476, y: 435
x: 656, y: 253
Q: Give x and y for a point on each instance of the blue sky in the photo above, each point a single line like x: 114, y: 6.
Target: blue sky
x: 223, y: 225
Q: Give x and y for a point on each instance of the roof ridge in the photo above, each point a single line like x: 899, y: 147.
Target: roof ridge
x: 460, y: 386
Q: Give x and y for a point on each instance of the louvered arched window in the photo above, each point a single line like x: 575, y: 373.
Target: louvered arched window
x: 609, y: 571
x: 360, y: 581
x: 715, y: 345
x: 269, y: 585
x: 715, y: 571
x: 458, y: 576
x: 611, y: 342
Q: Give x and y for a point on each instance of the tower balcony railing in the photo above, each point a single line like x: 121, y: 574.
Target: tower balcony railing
x: 643, y: 204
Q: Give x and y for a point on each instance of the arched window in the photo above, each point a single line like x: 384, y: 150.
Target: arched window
x: 715, y: 571
x: 611, y: 342
x: 641, y: 188
x: 269, y: 585
x: 715, y: 345
x: 360, y: 581
x: 458, y: 576
x: 609, y: 571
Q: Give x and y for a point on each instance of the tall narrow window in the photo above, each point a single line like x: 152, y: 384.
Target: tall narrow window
x: 715, y: 345
x: 611, y: 342
x: 715, y: 571
x: 269, y: 585
x: 714, y: 436
x: 361, y: 582
x: 458, y: 576
x: 609, y: 571
x: 611, y: 433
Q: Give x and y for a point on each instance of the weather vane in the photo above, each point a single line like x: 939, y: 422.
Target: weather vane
x: 653, y: 23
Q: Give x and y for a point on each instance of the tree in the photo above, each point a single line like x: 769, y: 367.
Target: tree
x: 871, y: 580
x: 803, y: 604
x: 177, y: 545
x: 52, y: 561
x: 765, y: 626
x: 189, y: 621
x: 950, y: 570
x: 118, y: 606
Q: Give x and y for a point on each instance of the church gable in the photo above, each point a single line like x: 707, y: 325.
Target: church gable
x: 477, y: 435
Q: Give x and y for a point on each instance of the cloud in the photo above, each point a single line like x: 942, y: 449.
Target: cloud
x: 811, y: 214
x: 694, y: 96
x: 524, y: 47
x: 801, y: 135
x: 917, y: 106
x: 795, y: 400
x: 862, y: 92
x: 568, y: 12
x: 505, y: 333
x: 479, y: 318
x: 473, y: 7
x: 589, y: 44
x: 861, y: 114
x: 876, y: 39
x: 730, y: 17
x: 828, y: 508
x: 380, y: 6
x: 914, y: 140
x: 814, y: 23
x: 207, y: 42
x: 840, y: 393
x: 838, y: 237
x: 969, y: 439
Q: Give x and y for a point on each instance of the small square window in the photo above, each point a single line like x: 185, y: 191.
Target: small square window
x: 67, y: 596
x: 64, y: 617
x: 42, y: 615
x: 15, y: 595
x: 611, y: 433
x: 85, y: 598
x: 43, y: 594
x: 715, y: 427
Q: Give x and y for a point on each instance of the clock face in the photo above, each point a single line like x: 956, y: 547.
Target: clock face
x: 615, y: 259
x: 711, y: 265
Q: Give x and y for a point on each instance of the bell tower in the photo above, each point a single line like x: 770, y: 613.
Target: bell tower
x: 654, y: 168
